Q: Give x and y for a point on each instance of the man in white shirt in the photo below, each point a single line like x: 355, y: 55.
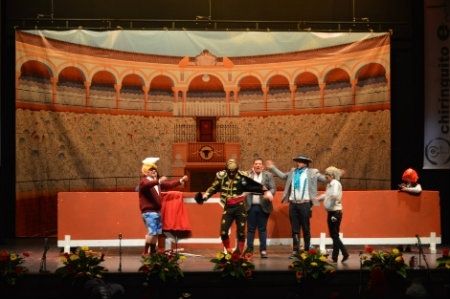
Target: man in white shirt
x: 259, y: 208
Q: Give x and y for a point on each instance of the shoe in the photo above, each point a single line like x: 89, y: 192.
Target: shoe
x: 264, y: 254
x: 293, y: 255
x: 248, y: 250
x: 345, y: 257
x: 334, y: 259
x: 248, y: 253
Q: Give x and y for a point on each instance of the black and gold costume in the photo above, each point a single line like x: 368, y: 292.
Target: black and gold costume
x: 231, y: 187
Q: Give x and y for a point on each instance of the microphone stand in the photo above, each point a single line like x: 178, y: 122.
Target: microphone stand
x: 43, y: 265
x: 360, y: 284
x: 421, y: 254
x: 120, y: 253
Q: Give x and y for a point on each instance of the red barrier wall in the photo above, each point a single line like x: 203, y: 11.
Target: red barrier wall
x: 367, y: 214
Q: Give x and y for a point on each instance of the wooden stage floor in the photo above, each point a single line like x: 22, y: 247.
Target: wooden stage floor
x: 272, y: 277
x: 198, y: 259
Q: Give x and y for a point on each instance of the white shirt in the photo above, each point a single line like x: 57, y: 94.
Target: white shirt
x: 256, y: 199
x: 332, y: 196
x: 301, y: 194
x: 413, y: 189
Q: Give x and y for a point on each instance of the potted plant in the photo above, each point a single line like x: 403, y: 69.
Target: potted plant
x: 81, y: 265
x: 311, y: 264
x: 163, y: 266
x: 443, y: 262
x: 11, y: 266
x: 233, y: 265
x: 387, y: 276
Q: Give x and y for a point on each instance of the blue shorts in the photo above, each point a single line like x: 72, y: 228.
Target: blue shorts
x: 153, y: 222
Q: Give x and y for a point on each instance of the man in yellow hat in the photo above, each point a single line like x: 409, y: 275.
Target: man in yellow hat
x: 150, y: 202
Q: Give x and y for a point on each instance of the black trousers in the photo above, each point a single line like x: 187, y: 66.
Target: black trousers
x: 334, y: 223
x: 234, y: 213
x: 299, y: 215
x: 257, y: 219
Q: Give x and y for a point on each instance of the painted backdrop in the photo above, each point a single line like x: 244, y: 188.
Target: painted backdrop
x: 91, y: 105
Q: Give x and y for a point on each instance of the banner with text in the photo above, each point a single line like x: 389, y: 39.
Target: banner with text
x: 437, y: 85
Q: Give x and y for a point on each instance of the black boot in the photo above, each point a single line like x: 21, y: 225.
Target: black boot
x: 295, y: 245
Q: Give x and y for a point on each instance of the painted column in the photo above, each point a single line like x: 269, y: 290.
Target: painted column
x: 265, y: 91
x: 322, y: 94
x: 117, y: 87
x: 184, y: 91
x: 354, y: 84
x: 145, y: 89
x: 54, y: 81
x: 293, y: 89
x: 176, y: 106
x: 17, y: 84
x: 387, y: 98
x: 87, y: 85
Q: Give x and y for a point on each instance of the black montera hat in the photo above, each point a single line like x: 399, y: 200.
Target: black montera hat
x: 302, y: 158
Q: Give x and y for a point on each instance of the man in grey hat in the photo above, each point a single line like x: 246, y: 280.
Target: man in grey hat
x: 300, y: 192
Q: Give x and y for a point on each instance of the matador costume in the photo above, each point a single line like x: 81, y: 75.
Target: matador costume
x: 232, y: 183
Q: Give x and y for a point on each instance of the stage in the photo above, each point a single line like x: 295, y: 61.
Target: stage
x: 118, y: 233
x: 272, y: 278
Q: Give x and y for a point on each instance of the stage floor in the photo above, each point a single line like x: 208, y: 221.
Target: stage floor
x: 198, y: 259
x: 272, y: 277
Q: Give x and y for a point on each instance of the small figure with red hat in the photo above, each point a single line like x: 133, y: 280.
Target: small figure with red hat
x: 410, y: 183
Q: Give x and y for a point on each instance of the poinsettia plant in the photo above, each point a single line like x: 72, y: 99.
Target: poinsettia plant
x: 311, y: 264
x: 11, y: 266
x: 83, y: 263
x: 233, y: 265
x: 443, y: 262
x: 384, y: 260
x: 162, y: 266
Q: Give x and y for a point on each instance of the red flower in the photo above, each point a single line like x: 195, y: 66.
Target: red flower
x: 312, y: 251
x: 445, y: 252
x: 368, y: 249
x: 4, y: 256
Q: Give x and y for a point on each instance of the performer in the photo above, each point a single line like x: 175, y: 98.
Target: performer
x: 150, y: 201
x: 259, y: 208
x: 300, y: 191
x: 410, y: 183
x: 333, y: 204
x: 232, y: 183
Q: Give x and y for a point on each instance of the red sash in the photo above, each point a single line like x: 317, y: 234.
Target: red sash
x: 235, y: 200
